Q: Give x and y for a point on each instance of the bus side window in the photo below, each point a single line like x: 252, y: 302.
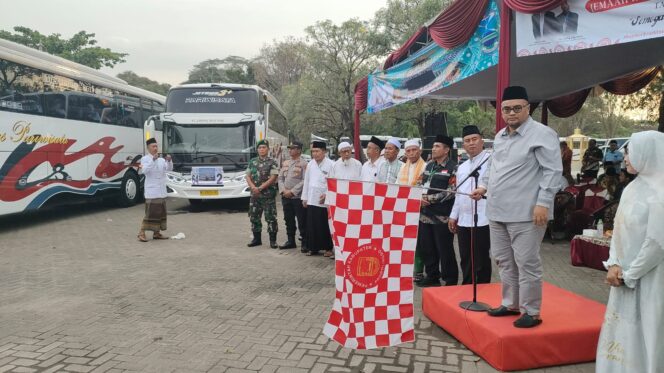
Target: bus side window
x: 129, y: 112
x: 109, y: 114
x: 21, y: 89
x: 55, y: 105
x: 84, y: 107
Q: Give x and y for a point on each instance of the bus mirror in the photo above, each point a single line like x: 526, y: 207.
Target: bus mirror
x: 158, y: 126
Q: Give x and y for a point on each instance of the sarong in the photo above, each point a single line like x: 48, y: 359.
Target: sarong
x: 155, y: 215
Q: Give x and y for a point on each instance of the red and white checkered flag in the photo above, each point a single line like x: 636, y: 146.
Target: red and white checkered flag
x: 374, y: 230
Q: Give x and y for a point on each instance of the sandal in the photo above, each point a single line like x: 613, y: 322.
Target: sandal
x: 141, y: 237
x: 311, y: 253
x: 328, y: 253
x: 158, y: 236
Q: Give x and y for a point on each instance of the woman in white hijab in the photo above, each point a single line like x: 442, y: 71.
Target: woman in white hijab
x: 632, y: 336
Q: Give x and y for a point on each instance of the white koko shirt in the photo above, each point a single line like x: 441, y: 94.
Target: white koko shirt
x: 155, y: 176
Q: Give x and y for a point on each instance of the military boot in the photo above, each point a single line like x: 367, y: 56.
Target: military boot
x: 256, y: 241
x: 273, y: 240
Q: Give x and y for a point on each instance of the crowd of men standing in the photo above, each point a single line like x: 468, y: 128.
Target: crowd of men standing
x: 505, y: 198
x: 518, y: 179
x: 302, y: 186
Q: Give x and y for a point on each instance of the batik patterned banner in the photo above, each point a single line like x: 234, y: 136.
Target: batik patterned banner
x: 433, y: 67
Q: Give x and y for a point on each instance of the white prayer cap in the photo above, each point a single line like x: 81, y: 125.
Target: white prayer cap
x: 344, y: 145
x: 394, y: 141
x: 412, y: 142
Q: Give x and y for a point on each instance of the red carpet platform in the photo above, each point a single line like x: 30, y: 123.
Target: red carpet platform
x: 567, y: 335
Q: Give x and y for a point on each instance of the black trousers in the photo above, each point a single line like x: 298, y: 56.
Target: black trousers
x: 438, y: 252
x: 318, y: 230
x: 293, y: 210
x: 482, y: 257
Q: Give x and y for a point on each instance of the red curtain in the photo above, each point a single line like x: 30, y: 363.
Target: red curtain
x: 633, y: 82
x: 503, y: 78
x: 566, y: 106
x: 532, y: 6
x: 398, y: 54
x: 361, y: 94
x: 457, y: 23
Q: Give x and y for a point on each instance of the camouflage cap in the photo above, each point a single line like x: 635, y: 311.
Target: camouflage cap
x: 263, y: 142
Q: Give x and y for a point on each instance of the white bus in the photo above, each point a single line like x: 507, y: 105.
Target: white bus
x: 67, y: 130
x: 211, y: 131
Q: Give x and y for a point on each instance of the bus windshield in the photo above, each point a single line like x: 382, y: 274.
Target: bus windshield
x: 190, y: 145
x: 212, y: 100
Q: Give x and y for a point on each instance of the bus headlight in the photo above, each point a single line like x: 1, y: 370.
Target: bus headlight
x: 241, y: 178
x: 175, y: 178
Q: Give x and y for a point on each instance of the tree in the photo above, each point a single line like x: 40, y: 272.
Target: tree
x: 339, y: 55
x: 599, y: 117
x: 81, y: 48
x: 280, y: 64
x: 401, y: 18
x: 142, y: 82
x: 651, y: 98
x: 232, y: 69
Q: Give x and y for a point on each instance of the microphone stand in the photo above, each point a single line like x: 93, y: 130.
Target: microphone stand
x: 474, y: 305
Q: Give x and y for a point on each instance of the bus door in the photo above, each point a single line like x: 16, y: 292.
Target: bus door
x: 153, y: 128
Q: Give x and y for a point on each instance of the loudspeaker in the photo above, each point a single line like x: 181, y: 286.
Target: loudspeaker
x: 434, y: 124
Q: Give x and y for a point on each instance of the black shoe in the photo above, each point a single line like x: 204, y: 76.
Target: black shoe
x: 428, y: 282
x: 290, y: 244
x: 256, y: 241
x: 273, y: 240
x: 527, y: 321
x: 418, y: 277
x: 502, y: 311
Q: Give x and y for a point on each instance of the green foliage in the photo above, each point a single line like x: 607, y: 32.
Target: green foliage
x: 401, y: 18
x: 232, y: 69
x: 281, y: 63
x: 81, y: 48
x: 651, y: 99
x: 321, y: 100
x: 600, y: 117
x: 142, y: 82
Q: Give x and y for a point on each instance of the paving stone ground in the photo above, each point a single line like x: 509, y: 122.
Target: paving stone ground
x: 79, y: 293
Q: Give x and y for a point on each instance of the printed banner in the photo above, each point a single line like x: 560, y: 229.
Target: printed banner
x: 583, y: 24
x: 208, y: 175
x: 433, y: 67
x: 374, y: 230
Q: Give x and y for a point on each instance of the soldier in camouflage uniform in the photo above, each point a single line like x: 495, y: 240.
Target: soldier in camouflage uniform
x: 262, y: 174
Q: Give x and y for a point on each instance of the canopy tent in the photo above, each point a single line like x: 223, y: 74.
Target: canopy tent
x: 561, y: 80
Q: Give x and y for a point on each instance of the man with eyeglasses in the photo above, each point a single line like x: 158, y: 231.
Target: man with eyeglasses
x: 522, y: 181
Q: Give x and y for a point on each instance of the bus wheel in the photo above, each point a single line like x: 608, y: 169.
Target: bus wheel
x: 129, y: 190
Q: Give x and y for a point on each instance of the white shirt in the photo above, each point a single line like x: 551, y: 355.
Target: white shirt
x: 463, y: 209
x: 315, y: 181
x: 348, y: 170
x: 155, y: 176
x: 370, y: 170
